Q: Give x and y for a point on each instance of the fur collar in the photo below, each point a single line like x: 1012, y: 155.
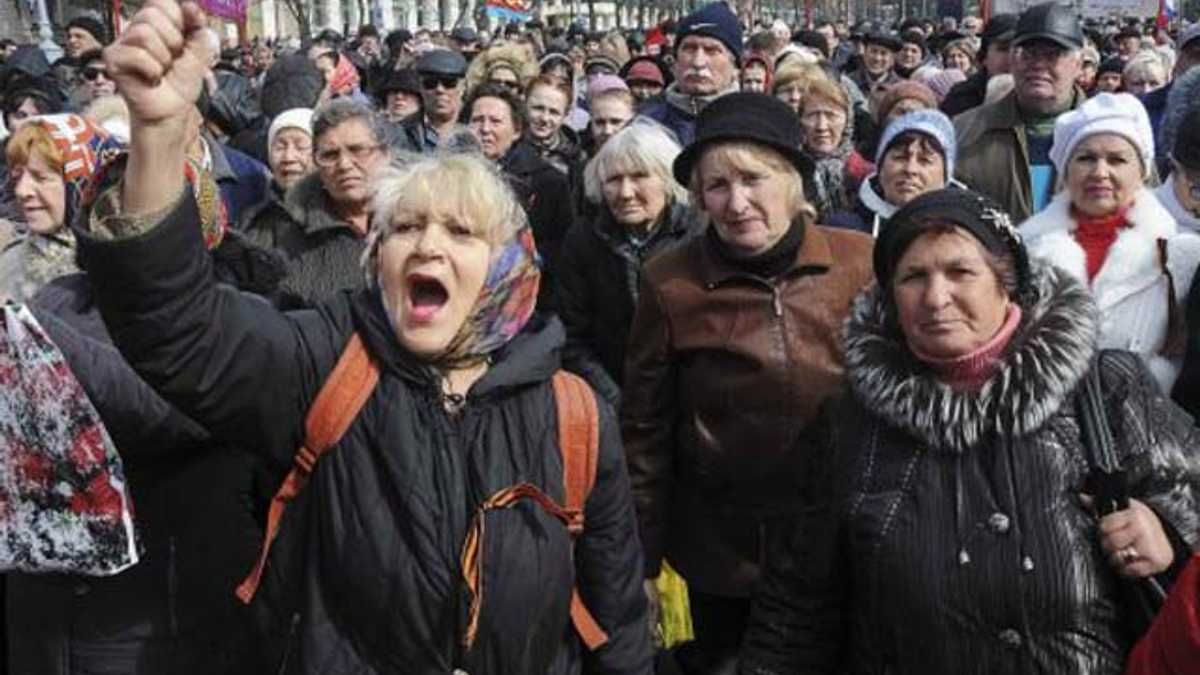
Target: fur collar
x: 1046, y: 359
x: 310, y: 207
x: 1132, y: 262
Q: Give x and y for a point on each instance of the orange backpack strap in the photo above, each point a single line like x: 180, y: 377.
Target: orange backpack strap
x: 579, y: 440
x: 338, y: 402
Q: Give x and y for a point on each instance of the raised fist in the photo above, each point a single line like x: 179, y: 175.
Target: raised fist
x: 159, y: 62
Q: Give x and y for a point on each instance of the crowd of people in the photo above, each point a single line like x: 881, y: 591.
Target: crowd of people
x: 840, y: 298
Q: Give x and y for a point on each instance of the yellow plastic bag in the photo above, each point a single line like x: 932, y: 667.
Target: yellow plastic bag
x: 675, y: 615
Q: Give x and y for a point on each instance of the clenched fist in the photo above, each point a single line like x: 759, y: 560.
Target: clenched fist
x: 159, y: 62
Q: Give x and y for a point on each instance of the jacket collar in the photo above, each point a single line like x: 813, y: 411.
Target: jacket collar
x: 1050, y: 353
x: 814, y: 255
x: 613, y: 234
x: 1006, y: 115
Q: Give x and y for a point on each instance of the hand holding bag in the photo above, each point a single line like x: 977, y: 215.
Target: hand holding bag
x: 64, y: 501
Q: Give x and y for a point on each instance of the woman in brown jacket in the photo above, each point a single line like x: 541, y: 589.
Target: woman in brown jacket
x: 734, y: 345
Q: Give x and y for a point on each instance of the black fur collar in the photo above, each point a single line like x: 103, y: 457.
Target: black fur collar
x: 1048, y: 356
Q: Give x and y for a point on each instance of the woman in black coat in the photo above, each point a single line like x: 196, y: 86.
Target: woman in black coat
x: 948, y: 532
x: 642, y: 212
x: 366, y: 575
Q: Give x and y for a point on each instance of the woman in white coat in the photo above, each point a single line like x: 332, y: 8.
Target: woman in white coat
x: 1106, y: 227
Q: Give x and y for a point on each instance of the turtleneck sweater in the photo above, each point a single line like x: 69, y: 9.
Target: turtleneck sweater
x: 970, y: 372
x: 1096, y: 236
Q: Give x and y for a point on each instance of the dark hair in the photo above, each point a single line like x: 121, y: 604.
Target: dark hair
x: 516, y: 107
x: 90, y: 56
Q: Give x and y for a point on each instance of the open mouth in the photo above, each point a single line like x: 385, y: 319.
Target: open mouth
x: 426, y: 297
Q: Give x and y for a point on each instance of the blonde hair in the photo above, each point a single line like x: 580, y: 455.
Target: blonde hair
x: 803, y: 73
x: 515, y: 56
x: 644, y: 145
x: 458, y: 186
x: 751, y: 156
x: 827, y: 89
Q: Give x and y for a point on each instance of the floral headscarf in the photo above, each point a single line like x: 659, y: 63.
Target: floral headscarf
x: 85, y: 148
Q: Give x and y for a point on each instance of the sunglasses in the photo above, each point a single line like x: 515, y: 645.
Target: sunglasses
x: 431, y: 82
x: 92, y: 74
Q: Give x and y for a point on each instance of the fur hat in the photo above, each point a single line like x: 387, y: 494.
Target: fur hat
x: 1120, y: 114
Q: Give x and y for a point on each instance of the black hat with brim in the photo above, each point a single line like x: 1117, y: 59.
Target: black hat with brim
x: 746, y: 117
x: 887, y: 40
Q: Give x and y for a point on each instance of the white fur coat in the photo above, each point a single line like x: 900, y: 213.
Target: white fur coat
x: 1130, y: 288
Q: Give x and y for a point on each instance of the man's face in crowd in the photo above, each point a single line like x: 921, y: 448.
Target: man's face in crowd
x: 1109, y: 82
x: 703, y: 66
x: 96, y: 81
x: 442, y: 95
x: 878, y: 59
x: 1044, y: 75
x: 264, y: 58
x: 972, y: 25
x: 754, y: 78
x: 401, y: 104
x: 910, y: 55
x: 80, y: 41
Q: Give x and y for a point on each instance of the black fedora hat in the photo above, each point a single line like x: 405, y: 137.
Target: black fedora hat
x: 745, y: 116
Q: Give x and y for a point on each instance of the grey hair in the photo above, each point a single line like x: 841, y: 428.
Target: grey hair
x: 341, y: 110
x: 462, y: 185
x: 643, y: 145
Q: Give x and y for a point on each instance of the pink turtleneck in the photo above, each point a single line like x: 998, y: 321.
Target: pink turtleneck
x: 970, y: 371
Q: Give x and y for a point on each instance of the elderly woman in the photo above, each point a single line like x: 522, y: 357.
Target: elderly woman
x: 916, y: 155
x: 320, y: 222
x: 959, y: 54
x: 382, y: 563
x: 946, y: 530
x: 1108, y: 230
x: 50, y: 161
x: 1144, y: 73
x: 734, y: 346
x: 827, y: 133
x: 643, y: 212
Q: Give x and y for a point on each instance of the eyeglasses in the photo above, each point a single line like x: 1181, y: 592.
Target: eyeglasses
x: 93, y: 74
x: 358, y: 154
x: 431, y: 82
x: 1042, y: 53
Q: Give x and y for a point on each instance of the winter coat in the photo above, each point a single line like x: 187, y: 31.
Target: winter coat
x: 968, y: 94
x: 323, y: 253
x: 365, y: 574
x: 944, y: 533
x: 598, y: 291
x: 545, y: 195
x: 677, y: 111
x: 724, y: 372
x: 195, y: 504
x: 1133, y: 289
x: 243, y: 180
x: 993, y: 157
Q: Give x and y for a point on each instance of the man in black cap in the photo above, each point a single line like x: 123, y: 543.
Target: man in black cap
x: 441, y: 73
x: 708, y: 50
x: 1005, y: 146
x: 466, y: 41
x: 84, y: 33
x: 1128, y: 42
x: 995, y: 43
x: 399, y: 95
x: 1110, y: 75
x: 878, y: 61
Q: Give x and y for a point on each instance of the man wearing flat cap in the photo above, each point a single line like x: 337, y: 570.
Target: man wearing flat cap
x: 878, y: 60
x: 708, y: 50
x: 1005, y: 146
x: 994, y: 48
x: 440, y: 72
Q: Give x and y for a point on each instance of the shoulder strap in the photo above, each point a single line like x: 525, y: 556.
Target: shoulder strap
x: 579, y: 441
x: 1106, y: 478
x: 1175, y: 343
x: 338, y: 402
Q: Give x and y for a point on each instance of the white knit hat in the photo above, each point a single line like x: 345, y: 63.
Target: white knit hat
x: 296, y: 118
x: 1120, y: 114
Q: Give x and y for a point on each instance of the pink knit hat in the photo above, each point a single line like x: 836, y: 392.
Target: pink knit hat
x: 942, y: 81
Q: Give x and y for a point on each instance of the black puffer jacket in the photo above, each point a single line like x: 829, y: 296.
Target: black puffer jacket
x: 947, y: 535
x: 365, y: 576
x: 322, y: 252
x: 195, y: 503
x: 546, y: 197
x: 598, y: 291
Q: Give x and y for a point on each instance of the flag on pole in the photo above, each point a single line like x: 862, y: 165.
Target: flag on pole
x: 1166, y: 13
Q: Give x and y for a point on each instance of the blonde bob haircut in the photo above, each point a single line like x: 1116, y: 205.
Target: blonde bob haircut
x: 461, y: 187
x: 753, y: 157
x: 644, y: 145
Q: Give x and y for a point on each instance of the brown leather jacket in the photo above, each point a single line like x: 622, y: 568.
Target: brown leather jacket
x: 724, y: 372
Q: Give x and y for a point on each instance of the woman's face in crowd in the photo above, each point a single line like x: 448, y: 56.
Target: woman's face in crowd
x: 823, y: 122
x: 346, y: 155
x: 492, y: 123
x: 948, y: 300
x: 609, y: 115
x: 41, y: 194
x: 291, y: 156
x: 546, y: 108
x: 754, y: 78
x: 401, y: 104
x: 909, y: 56
x: 747, y: 205
x: 792, y: 94
x: 17, y: 118
x: 1108, y: 82
x: 1146, y: 81
x: 635, y: 197
x: 1104, y: 173
x: 958, y: 59
x: 431, y: 269
x: 644, y: 89
x: 911, y: 169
